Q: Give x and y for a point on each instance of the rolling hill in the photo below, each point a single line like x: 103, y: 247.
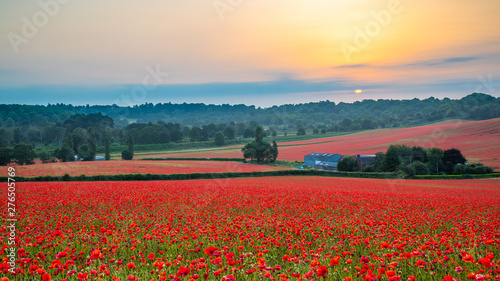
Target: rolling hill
x: 479, y: 141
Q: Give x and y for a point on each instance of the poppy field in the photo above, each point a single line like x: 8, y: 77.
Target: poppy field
x: 273, y: 228
x: 138, y: 167
x: 479, y: 141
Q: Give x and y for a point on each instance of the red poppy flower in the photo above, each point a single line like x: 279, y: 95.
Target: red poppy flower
x: 335, y: 260
x: 468, y: 258
x: 46, y: 277
x: 183, y: 271
x: 210, y: 251
x: 322, y: 271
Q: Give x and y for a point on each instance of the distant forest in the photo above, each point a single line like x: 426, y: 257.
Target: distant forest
x: 49, y: 125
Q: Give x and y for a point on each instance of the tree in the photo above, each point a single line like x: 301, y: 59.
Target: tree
x: 44, y: 157
x: 107, y: 149
x: 23, y: 153
x: 64, y: 154
x: 368, y: 169
x: 391, y: 159
x: 126, y: 155
x: 345, y: 124
x: 85, y: 153
x: 69, y: 153
x: 419, y: 168
x: 347, y: 164
x: 435, y: 156
x: 419, y: 153
x: 259, y: 134
x: 5, y: 156
x: 453, y: 156
x: 130, y: 144
x: 195, y: 134
x: 229, y: 132
x: 301, y: 131
x: 274, y: 151
x: 219, y: 139
x: 92, y: 143
x: 9, y: 123
x: 258, y: 149
x: 378, y: 161
x: 248, y: 133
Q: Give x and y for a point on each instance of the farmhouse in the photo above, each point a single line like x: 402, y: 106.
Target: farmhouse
x: 322, y: 161
x: 364, y: 160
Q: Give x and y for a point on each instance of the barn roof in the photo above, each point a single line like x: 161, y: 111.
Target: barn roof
x: 321, y: 155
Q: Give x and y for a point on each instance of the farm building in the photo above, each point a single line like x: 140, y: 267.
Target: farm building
x: 364, y: 160
x: 322, y: 161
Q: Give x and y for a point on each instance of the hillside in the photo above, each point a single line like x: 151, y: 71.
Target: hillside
x: 479, y: 141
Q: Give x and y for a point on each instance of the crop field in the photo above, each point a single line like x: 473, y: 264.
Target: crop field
x: 274, y: 228
x: 138, y: 167
x: 479, y: 141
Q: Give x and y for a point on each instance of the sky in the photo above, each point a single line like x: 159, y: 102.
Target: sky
x: 257, y: 52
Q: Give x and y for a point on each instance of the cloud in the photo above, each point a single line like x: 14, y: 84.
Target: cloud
x: 441, y: 62
x: 353, y: 65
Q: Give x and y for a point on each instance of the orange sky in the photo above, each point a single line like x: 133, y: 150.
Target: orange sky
x: 111, y: 42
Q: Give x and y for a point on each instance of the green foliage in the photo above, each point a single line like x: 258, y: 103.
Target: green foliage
x: 44, y: 157
x: 130, y: 149
x: 378, y: 161
x: 259, y: 134
x: 64, y: 154
x: 274, y: 151
x: 301, y: 131
x: 419, y: 168
x: 435, y: 156
x: 258, y: 149
x: 107, y: 148
x: 219, y: 139
x: 369, y: 169
x: 92, y: 143
x: 229, y: 132
x: 347, y: 164
x: 406, y: 171
x: 418, y: 153
x: 23, y: 153
x: 5, y: 156
x: 85, y: 153
x: 454, y: 156
x: 391, y: 160
x: 127, y: 155
x: 70, y: 146
x: 482, y: 170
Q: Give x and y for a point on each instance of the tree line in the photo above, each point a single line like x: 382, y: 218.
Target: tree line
x: 63, y: 131
x: 417, y: 160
